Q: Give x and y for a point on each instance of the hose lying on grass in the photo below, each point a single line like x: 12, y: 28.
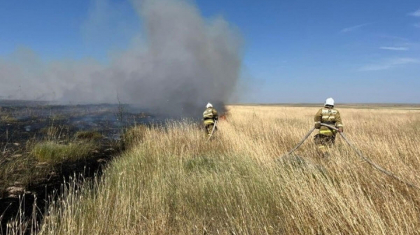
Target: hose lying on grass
x: 301, y: 142
x: 359, y: 153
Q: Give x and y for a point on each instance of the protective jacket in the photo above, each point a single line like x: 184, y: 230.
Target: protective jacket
x: 329, y: 116
x: 210, y: 115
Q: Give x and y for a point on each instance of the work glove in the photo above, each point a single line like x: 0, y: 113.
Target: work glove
x: 317, y: 125
x: 340, y: 129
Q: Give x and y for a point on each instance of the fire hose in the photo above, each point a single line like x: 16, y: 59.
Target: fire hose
x: 301, y: 142
x: 359, y: 153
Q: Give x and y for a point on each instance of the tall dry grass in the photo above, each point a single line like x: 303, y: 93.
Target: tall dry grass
x: 173, y: 181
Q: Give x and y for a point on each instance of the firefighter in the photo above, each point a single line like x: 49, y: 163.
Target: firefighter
x: 326, y: 136
x: 210, y: 116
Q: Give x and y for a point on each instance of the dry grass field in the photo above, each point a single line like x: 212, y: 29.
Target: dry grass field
x: 172, y: 180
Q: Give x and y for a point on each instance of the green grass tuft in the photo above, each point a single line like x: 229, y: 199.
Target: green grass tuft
x: 8, y: 119
x: 52, y: 152
x: 88, y: 135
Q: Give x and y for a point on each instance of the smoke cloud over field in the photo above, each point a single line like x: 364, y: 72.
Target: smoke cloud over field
x: 184, y: 62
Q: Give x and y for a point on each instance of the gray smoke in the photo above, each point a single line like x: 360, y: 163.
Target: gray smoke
x: 185, y: 62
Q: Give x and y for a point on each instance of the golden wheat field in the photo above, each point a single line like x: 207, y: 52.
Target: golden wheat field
x: 173, y: 181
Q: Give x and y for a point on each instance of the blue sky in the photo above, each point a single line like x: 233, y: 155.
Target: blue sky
x: 294, y: 51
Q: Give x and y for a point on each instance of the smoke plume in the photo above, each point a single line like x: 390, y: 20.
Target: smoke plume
x: 184, y: 62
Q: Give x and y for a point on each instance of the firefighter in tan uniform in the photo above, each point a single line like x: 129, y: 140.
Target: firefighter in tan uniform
x: 326, y: 136
x: 210, y: 116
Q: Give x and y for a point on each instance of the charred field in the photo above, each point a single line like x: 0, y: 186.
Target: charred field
x: 42, y: 145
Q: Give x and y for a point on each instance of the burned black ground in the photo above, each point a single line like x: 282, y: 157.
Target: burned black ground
x: 23, y: 124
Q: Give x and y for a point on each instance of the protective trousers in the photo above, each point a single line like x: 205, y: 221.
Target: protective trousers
x: 209, y: 128
x: 324, y: 142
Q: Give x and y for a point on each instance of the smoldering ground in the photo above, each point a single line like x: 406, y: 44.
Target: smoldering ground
x: 181, y: 62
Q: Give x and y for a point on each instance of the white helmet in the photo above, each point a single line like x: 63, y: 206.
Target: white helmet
x: 329, y: 101
x: 209, y: 105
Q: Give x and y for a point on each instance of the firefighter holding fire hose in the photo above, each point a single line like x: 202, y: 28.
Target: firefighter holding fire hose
x: 210, y: 117
x: 326, y: 136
